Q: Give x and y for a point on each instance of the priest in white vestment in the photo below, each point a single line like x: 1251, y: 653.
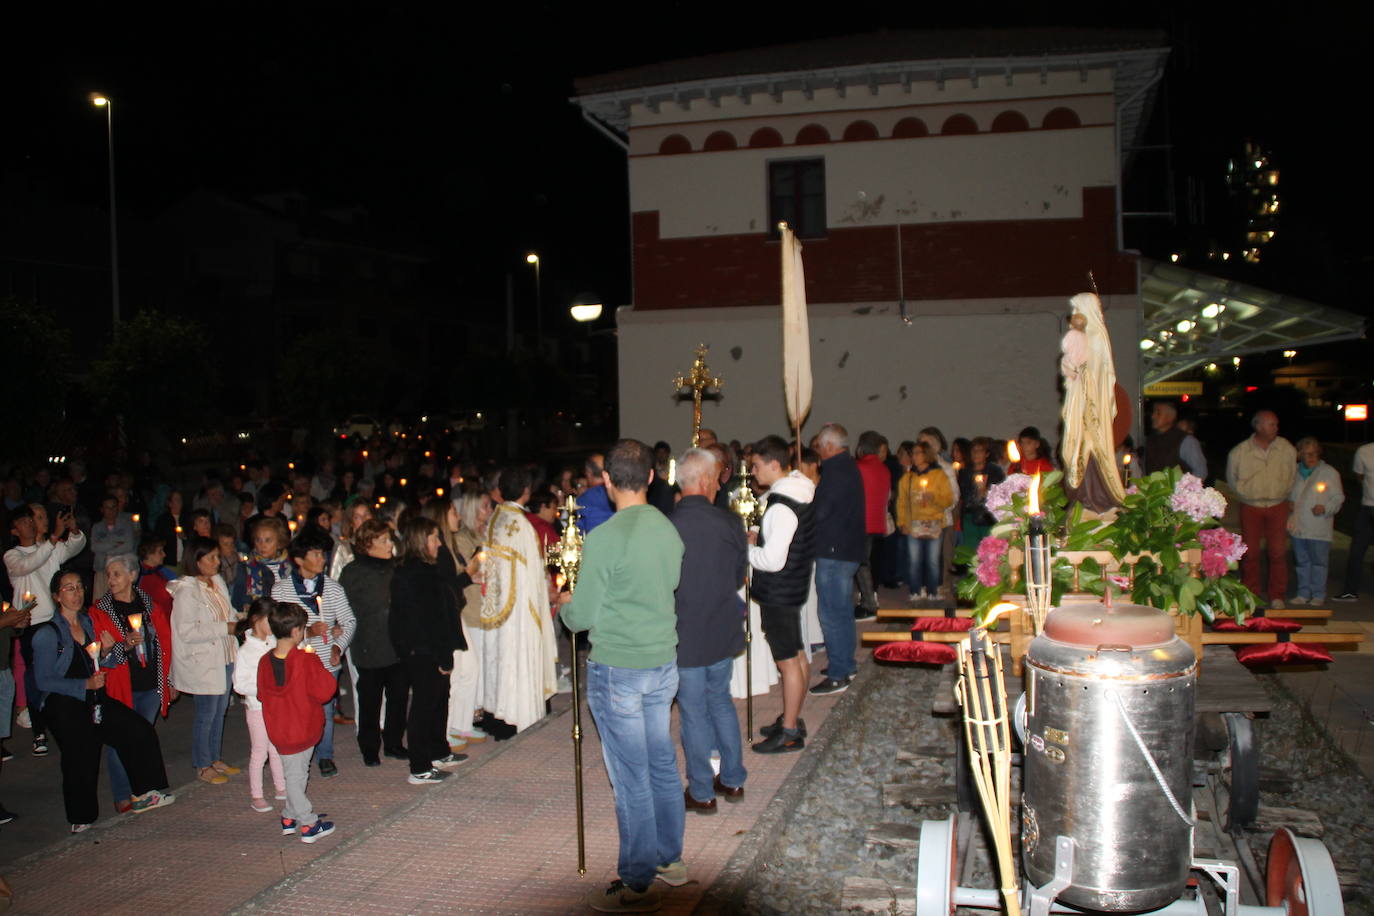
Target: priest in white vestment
x: 519, y: 651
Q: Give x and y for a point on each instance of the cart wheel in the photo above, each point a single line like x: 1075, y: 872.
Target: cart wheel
x: 1243, y: 806
x: 937, y: 868
x: 1301, y: 876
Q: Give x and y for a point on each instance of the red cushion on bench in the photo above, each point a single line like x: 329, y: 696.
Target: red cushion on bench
x: 1283, y: 653
x: 1258, y: 625
x: 942, y: 624
x: 925, y: 653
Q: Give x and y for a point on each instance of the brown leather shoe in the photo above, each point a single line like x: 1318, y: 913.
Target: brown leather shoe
x: 342, y: 720
x: 706, y: 807
x: 731, y: 793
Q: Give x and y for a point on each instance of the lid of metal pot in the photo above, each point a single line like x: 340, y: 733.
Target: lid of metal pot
x: 1092, y: 623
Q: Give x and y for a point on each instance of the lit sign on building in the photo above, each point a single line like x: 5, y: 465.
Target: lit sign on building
x: 1357, y: 411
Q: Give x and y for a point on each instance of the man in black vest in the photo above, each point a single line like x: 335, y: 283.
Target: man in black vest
x: 1170, y: 446
x: 782, y: 555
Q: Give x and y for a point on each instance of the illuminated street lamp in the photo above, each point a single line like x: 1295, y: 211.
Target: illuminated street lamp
x: 102, y: 101
x: 533, y: 258
x: 586, y: 307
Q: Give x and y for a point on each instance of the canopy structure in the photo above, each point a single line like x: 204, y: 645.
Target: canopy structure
x: 1191, y: 319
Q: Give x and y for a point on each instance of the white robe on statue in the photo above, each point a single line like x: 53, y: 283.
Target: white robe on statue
x: 518, y: 672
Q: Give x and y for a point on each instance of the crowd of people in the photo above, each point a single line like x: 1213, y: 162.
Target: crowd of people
x: 381, y: 588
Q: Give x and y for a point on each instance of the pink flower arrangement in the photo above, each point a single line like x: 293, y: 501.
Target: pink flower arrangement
x: 998, y: 500
x: 1196, y: 501
x: 1220, y: 550
x: 990, y: 553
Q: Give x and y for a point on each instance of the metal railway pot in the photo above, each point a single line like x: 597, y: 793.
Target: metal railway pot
x: 1108, y: 755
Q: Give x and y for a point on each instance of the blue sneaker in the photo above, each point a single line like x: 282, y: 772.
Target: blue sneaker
x: 318, y: 830
x: 288, y: 826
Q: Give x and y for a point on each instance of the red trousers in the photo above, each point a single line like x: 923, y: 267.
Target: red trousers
x: 1271, y: 526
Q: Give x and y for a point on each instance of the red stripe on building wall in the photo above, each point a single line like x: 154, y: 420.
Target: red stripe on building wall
x: 973, y: 260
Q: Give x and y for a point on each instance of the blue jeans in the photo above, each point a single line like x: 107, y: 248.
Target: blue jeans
x: 325, y: 749
x: 631, y: 707
x: 709, y: 722
x: 207, y: 731
x: 147, y: 704
x: 1313, y: 566
x: 925, y: 564
x: 835, y: 608
x: 6, y: 701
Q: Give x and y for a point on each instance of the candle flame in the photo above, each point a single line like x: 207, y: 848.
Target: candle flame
x: 308, y: 648
x: 403, y: 481
x: 28, y: 596
x: 291, y: 524
x: 979, y: 478
x: 136, y: 621
x: 136, y: 517
x: 958, y: 465
x: 364, y: 453
x: 381, y: 500
x: 178, y: 529
x: 94, y: 650
x: 1033, y: 495
x: 438, y: 491
x: 1013, y: 452
x: 1126, y: 458
x: 560, y: 580
x: 997, y: 610
x: 1321, y: 487
x: 291, y: 465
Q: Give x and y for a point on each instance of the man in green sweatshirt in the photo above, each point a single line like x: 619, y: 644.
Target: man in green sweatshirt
x: 630, y: 569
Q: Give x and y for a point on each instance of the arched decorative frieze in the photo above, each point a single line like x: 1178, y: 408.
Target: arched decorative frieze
x: 765, y: 138
x: 720, y: 140
x: 859, y: 131
x: 674, y: 144
x: 812, y: 134
x: 1009, y: 121
x: 958, y: 124
x: 909, y: 128
x: 1061, y: 119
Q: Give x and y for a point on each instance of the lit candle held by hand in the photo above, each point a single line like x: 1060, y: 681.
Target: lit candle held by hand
x: 136, y: 622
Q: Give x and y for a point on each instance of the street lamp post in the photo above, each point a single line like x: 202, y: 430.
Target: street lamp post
x: 101, y: 101
x: 533, y: 258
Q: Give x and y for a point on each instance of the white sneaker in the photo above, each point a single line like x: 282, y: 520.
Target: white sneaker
x: 1276, y: 604
x: 449, y: 762
x: 23, y: 720
x: 1297, y: 600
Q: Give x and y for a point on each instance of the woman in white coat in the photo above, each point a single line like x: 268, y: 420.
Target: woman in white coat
x: 203, y: 649
x: 1316, y: 497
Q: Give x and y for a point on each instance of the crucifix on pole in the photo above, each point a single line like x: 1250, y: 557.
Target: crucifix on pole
x: 698, y: 383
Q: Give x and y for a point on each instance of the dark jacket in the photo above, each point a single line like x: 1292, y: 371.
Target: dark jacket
x: 424, y: 611
x: 367, y: 583
x: 974, y: 509
x: 1162, y: 449
x: 714, y: 560
x: 839, y: 510
x: 790, y: 585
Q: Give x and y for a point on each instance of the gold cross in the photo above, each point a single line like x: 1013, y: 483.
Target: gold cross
x: 699, y: 381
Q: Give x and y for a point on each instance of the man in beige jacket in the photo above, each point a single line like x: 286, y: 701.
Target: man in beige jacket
x: 1261, y: 470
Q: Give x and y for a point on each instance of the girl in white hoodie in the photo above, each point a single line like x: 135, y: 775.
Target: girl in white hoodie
x: 257, y: 642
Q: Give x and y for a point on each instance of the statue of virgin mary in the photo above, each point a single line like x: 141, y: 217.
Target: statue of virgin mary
x: 1089, y: 447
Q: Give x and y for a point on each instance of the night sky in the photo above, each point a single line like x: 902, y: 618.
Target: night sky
x: 455, y: 131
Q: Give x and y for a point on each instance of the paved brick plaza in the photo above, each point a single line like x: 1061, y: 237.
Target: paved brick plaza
x: 498, y: 837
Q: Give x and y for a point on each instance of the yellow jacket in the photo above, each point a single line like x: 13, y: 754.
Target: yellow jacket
x: 910, y: 506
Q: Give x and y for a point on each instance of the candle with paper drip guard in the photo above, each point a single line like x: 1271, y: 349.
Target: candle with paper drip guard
x: 1037, y: 558
x: 925, y: 493
x: 136, y: 622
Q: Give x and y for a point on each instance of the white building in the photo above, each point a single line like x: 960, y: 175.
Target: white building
x: 952, y: 189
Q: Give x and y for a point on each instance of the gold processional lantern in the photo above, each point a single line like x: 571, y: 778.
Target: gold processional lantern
x: 565, y: 555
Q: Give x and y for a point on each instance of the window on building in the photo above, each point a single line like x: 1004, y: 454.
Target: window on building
x: 796, y: 194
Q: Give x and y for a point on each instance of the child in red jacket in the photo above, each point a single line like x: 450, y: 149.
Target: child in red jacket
x: 293, y: 687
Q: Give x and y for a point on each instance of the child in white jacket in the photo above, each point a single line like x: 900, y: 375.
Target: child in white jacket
x: 257, y: 642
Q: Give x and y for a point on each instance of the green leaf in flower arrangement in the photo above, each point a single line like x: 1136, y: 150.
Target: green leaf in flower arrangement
x: 1169, y: 558
x: 1090, y: 576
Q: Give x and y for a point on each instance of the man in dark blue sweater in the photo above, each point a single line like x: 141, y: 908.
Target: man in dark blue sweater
x: 709, y: 632
x: 839, y: 511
